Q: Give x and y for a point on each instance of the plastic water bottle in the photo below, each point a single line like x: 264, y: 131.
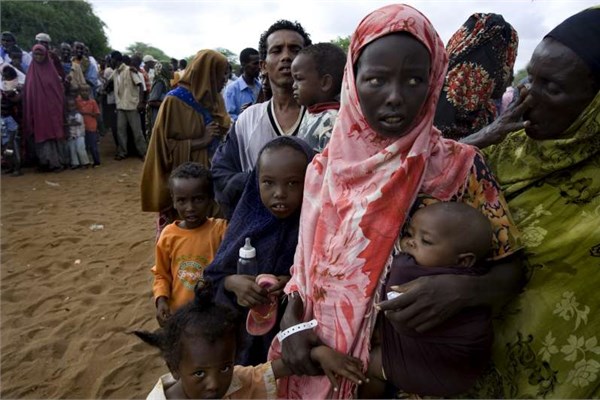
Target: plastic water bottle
x: 247, y: 264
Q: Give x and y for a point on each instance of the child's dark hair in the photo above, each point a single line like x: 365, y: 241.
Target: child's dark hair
x: 282, y: 24
x: 330, y: 59
x: 285, y: 141
x: 192, y: 170
x: 201, y: 317
x: 9, y: 73
x: 469, y: 219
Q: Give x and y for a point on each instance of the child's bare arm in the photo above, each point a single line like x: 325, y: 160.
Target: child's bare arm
x: 280, y: 370
x: 333, y: 363
x: 336, y: 364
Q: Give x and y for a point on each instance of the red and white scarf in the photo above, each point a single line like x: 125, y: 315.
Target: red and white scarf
x: 357, y: 195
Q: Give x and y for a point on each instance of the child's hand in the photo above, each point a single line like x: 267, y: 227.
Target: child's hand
x: 277, y: 289
x: 163, y: 313
x: 336, y: 364
x: 247, y: 291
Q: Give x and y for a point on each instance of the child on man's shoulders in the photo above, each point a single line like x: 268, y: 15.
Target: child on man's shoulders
x: 318, y: 71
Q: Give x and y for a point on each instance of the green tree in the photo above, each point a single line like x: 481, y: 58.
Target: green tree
x: 522, y: 73
x: 232, y: 58
x: 230, y: 55
x: 144, y: 49
x: 343, y: 42
x: 64, y: 21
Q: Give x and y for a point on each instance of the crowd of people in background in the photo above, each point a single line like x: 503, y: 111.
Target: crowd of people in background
x: 416, y: 225
x: 116, y: 95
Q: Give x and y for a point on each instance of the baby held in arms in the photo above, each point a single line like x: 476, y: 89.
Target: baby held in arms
x: 442, y: 238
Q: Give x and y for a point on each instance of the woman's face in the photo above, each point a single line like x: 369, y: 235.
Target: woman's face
x: 224, y: 79
x: 561, y: 88
x: 39, y: 56
x: 392, y: 80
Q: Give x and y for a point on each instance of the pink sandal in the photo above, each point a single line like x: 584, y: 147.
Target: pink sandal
x: 261, y: 319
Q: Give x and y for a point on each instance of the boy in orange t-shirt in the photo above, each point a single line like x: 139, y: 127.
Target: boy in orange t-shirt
x: 188, y: 245
x: 90, y: 111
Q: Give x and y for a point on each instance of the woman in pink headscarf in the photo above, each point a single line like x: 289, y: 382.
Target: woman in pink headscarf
x: 43, y: 105
x: 385, y: 159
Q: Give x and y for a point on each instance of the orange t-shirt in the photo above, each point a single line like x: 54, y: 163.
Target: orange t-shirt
x: 181, y: 257
x: 88, y: 106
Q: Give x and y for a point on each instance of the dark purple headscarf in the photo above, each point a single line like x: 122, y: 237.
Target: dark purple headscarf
x: 43, y: 101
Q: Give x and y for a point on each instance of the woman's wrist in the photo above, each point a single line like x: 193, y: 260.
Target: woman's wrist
x: 291, y: 315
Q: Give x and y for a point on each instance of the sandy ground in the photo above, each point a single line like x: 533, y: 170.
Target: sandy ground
x: 70, y: 295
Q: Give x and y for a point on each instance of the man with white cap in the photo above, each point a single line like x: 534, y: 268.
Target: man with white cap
x: 148, y: 66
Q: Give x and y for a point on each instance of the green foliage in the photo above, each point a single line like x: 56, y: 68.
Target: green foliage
x: 230, y: 55
x: 144, y: 49
x: 343, y: 42
x: 232, y: 58
x: 522, y: 73
x: 64, y: 21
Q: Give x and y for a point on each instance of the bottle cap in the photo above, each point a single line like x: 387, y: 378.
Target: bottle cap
x: 247, y: 251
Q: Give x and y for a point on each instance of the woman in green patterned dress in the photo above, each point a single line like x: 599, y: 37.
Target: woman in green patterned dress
x: 548, y: 341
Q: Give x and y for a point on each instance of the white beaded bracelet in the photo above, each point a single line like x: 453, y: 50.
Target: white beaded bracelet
x: 295, y: 329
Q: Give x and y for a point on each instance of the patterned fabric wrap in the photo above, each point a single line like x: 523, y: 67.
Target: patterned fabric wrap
x: 481, y: 55
x: 548, y: 344
x: 357, y: 195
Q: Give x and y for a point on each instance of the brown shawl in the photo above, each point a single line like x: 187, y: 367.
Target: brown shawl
x: 177, y: 124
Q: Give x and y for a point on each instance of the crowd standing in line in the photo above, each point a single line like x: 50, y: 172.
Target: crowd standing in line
x: 391, y: 250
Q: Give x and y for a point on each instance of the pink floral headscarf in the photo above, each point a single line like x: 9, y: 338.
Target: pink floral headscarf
x: 357, y: 195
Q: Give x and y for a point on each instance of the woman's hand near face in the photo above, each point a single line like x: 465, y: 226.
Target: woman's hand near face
x: 509, y: 121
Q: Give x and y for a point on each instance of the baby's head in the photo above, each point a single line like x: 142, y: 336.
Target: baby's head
x: 192, y: 193
x: 9, y: 73
x: 447, y: 234
x: 318, y: 71
x: 281, y: 168
x: 199, y: 343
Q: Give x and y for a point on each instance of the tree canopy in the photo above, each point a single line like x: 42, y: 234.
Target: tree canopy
x: 144, y: 49
x: 232, y: 58
x: 343, y: 42
x: 64, y: 21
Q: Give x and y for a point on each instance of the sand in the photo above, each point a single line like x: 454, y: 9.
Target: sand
x: 69, y: 295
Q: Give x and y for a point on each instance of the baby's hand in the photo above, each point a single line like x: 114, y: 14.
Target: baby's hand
x: 336, y: 364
